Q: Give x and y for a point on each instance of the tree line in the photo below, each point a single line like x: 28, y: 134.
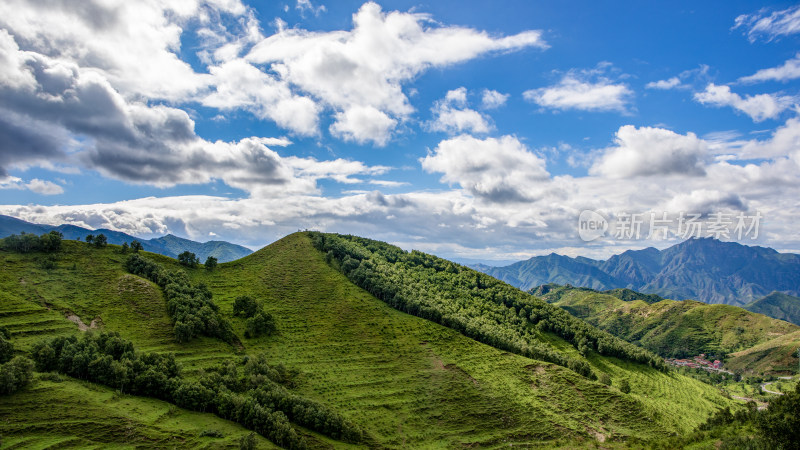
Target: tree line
x: 29, y: 242
x: 473, y: 303
x: 190, y: 305
x: 252, y: 395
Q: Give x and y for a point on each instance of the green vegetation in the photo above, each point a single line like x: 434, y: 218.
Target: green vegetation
x: 779, y: 306
x: 211, y: 263
x: 190, y: 305
x: 678, y: 328
x: 28, y: 243
x: 253, y: 400
x: 776, y: 427
x: 258, y: 321
x: 470, y: 302
x: 406, y: 382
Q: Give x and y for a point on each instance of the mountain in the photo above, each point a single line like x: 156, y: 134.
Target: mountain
x: 684, y: 328
x: 404, y: 378
x: 707, y: 269
x: 777, y: 305
x: 168, y: 245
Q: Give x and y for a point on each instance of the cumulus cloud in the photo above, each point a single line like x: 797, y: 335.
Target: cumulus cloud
x: 50, y: 104
x: 44, y: 187
x: 670, y: 83
x: 790, y: 70
x: 759, y: 107
x: 769, y: 25
x: 585, y: 91
x: 451, y: 115
x: 497, y: 170
x: 132, y: 44
x: 492, y: 99
x: 650, y: 151
x: 360, y: 73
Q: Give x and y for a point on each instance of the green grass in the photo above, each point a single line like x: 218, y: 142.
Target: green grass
x: 687, y: 326
x: 408, y: 382
x: 72, y: 413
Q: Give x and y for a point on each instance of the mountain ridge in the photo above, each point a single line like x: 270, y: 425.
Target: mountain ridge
x: 168, y: 245
x: 704, y: 269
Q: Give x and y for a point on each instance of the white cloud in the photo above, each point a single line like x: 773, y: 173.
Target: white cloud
x: 759, y: 107
x: 306, y: 6
x: 670, y: 83
x: 44, y: 187
x: 650, y: 151
x: 492, y: 99
x: 240, y: 85
x: 498, y: 170
x: 790, y: 70
x: 364, y: 69
x: 586, y: 91
x: 363, y: 124
x: 770, y: 25
x: 451, y: 115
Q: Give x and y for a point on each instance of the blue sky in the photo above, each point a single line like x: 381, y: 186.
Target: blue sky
x: 472, y: 130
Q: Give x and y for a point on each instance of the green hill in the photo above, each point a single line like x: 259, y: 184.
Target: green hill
x: 406, y: 381
x: 683, y: 328
x: 778, y: 305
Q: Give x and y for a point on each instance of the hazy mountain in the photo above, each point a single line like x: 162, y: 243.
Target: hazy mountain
x: 168, y: 245
x: 702, y: 269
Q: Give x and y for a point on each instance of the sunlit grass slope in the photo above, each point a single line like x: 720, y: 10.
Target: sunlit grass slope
x: 407, y: 381
x: 687, y: 328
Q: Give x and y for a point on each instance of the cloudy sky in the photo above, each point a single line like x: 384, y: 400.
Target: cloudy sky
x: 478, y: 131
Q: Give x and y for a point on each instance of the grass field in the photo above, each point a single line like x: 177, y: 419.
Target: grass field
x: 755, y: 343
x: 408, y: 382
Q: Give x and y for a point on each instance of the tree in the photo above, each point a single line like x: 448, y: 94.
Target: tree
x: 15, y: 375
x: 211, y: 263
x: 89, y: 238
x: 50, y: 242
x: 124, y: 248
x: 624, y: 386
x: 244, y: 305
x: 188, y: 259
x: 780, y: 422
x: 136, y: 246
x: 100, y: 240
x: 6, y: 349
x: 248, y: 442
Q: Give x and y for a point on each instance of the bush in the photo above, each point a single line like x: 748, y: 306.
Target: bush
x: 605, y: 379
x: 624, y: 386
x: 248, y: 442
x: 15, y: 375
x: 211, y: 263
x: 244, y: 306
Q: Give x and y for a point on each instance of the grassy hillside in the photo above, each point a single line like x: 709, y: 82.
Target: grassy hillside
x: 778, y: 305
x: 684, y: 328
x: 407, y: 381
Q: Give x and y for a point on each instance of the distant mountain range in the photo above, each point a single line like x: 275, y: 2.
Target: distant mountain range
x: 168, y: 245
x: 708, y: 270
